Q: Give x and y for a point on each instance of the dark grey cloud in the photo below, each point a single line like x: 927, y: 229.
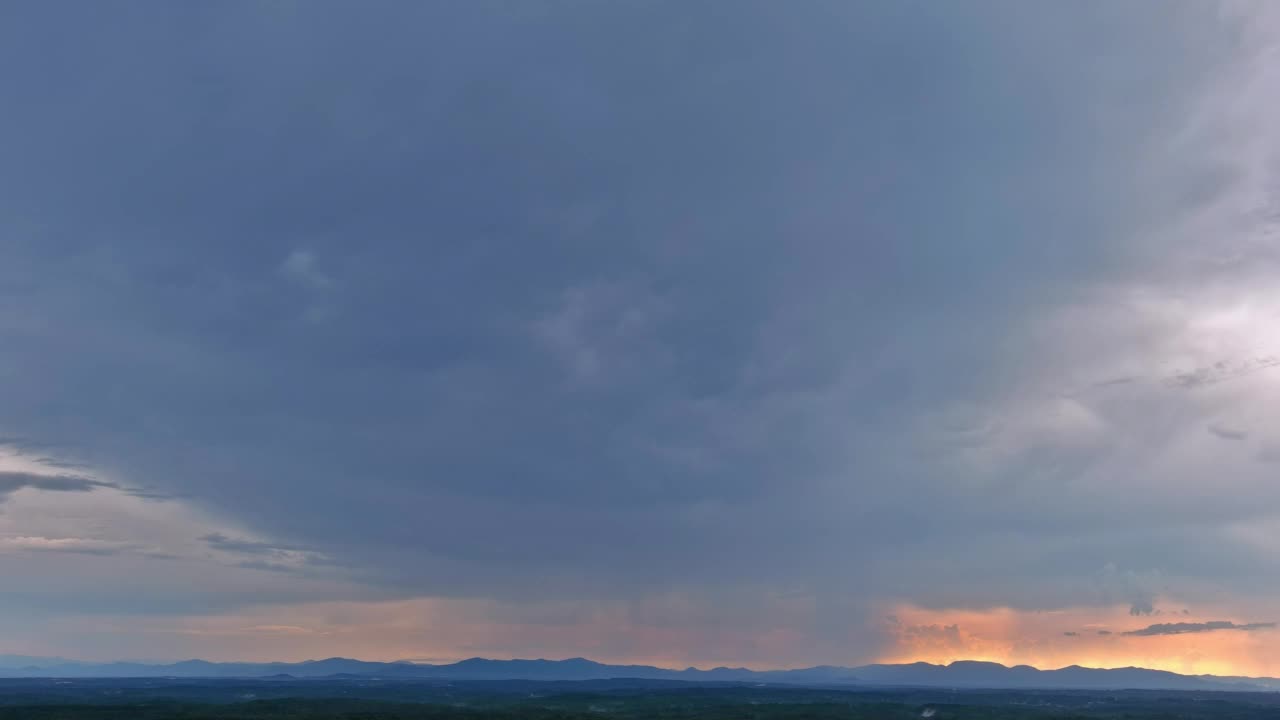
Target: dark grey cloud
x: 1104, y: 632
x: 61, y: 464
x: 1071, y: 633
x: 1183, y: 628
x: 1138, y: 590
x: 1142, y: 607
x: 13, y: 481
x: 147, y: 493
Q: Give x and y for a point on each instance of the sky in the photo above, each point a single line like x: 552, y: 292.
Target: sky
x: 747, y: 333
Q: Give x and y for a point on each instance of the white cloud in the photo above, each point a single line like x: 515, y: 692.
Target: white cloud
x: 302, y: 267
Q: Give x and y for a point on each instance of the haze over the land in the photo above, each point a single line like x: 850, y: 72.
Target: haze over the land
x: 742, y: 333
x: 963, y: 673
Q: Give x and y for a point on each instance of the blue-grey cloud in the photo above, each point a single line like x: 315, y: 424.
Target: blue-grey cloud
x: 1183, y: 628
x: 219, y: 541
x: 13, y: 481
x: 264, y: 565
x: 602, y: 301
x: 1142, y: 607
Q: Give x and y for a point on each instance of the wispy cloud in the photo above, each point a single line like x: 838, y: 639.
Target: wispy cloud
x: 61, y: 464
x: 267, y: 566
x: 264, y: 555
x: 302, y: 267
x: 219, y: 541
x: 74, y: 545
x: 1227, y: 432
x: 81, y: 546
x: 13, y: 481
x: 1184, y: 628
x: 1221, y: 371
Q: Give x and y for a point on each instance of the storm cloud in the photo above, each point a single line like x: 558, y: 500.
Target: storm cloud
x: 708, y: 322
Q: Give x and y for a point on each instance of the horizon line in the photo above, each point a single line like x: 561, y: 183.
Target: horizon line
x: 410, y: 661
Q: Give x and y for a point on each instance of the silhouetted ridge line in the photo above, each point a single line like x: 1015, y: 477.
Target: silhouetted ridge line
x: 966, y: 674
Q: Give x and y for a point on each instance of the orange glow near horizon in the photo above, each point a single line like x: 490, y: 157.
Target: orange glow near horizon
x: 450, y: 629
x: 1042, y: 639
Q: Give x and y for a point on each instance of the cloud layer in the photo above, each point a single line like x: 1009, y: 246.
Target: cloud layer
x: 738, y: 327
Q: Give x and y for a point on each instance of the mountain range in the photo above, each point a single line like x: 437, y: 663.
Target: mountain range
x: 960, y: 674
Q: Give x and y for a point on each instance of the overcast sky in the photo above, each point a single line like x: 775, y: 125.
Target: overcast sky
x: 760, y: 333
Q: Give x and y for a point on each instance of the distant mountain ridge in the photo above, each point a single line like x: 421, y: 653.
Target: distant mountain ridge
x: 960, y: 674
